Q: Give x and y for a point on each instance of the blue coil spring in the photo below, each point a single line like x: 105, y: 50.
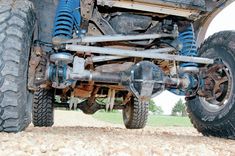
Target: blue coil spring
x: 188, y: 40
x: 67, y: 18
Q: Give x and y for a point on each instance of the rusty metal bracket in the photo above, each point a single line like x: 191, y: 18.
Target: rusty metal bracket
x: 36, y: 57
x: 103, y: 24
x: 37, y: 69
x: 127, y: 98
x: 87, y: 7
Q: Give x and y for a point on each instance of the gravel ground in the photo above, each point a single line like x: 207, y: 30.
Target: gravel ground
x: 77, y: 134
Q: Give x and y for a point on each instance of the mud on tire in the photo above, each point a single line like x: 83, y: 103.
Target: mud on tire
x: 212, y: 120
x: 135, y: 115
x: 43, y: 110
x: 16, y: 27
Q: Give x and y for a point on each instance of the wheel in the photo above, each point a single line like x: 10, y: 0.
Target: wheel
x: 216, y: 117
x: 43, y: 109
x: 135, y: 114
x: 16, y: 28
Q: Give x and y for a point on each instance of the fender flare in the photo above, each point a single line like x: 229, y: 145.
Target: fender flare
x: 201, y: 26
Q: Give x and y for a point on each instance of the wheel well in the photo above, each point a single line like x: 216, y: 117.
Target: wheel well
x: 45, y: 12
x: 201, y: 26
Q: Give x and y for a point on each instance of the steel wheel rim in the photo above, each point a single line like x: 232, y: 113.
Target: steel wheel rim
x: 219, y: 104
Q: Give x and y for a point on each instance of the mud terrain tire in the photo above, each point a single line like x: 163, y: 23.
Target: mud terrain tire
x: 16, y: 27
x: 135, y: 115
x: 210, y: 120
x: 43, y: 108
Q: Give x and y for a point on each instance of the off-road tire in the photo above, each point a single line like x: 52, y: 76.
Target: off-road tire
x: 135, y: 114
x: 43, y: 109
x: 17, y: 20
x: 221, y: 122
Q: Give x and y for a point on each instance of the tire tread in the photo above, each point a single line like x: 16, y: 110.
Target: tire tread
x: 43, y: 110
x: 138, y: 116
x: 15, y: 108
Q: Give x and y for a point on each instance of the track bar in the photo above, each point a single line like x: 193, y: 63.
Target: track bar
x: 111, y: 38
x: 106, y: 58
x: 143, y: 54
x: 110, y: 57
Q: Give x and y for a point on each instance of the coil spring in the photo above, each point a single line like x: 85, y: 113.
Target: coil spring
x: 67, y: 16
x: 187, y: 38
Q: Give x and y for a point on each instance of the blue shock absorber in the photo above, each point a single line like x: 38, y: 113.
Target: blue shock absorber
x: 67, y: 21
x: 67, y: 18
x: 188, y: 40
x: 189, y: 48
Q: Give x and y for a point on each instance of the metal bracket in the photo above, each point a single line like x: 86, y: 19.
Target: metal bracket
x: 110, y: 100
x: 104, y: 25
x: 87, y: 9
x: 37, y: 66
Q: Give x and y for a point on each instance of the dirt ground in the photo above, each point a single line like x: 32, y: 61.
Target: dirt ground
x: 77, y: 134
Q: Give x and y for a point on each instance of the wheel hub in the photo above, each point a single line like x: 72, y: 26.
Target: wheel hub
x: 217, y: 84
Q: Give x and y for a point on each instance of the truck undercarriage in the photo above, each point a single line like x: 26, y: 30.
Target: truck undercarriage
x: 109, y: 42
x: 116, y: 47
x: 118, y: 54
